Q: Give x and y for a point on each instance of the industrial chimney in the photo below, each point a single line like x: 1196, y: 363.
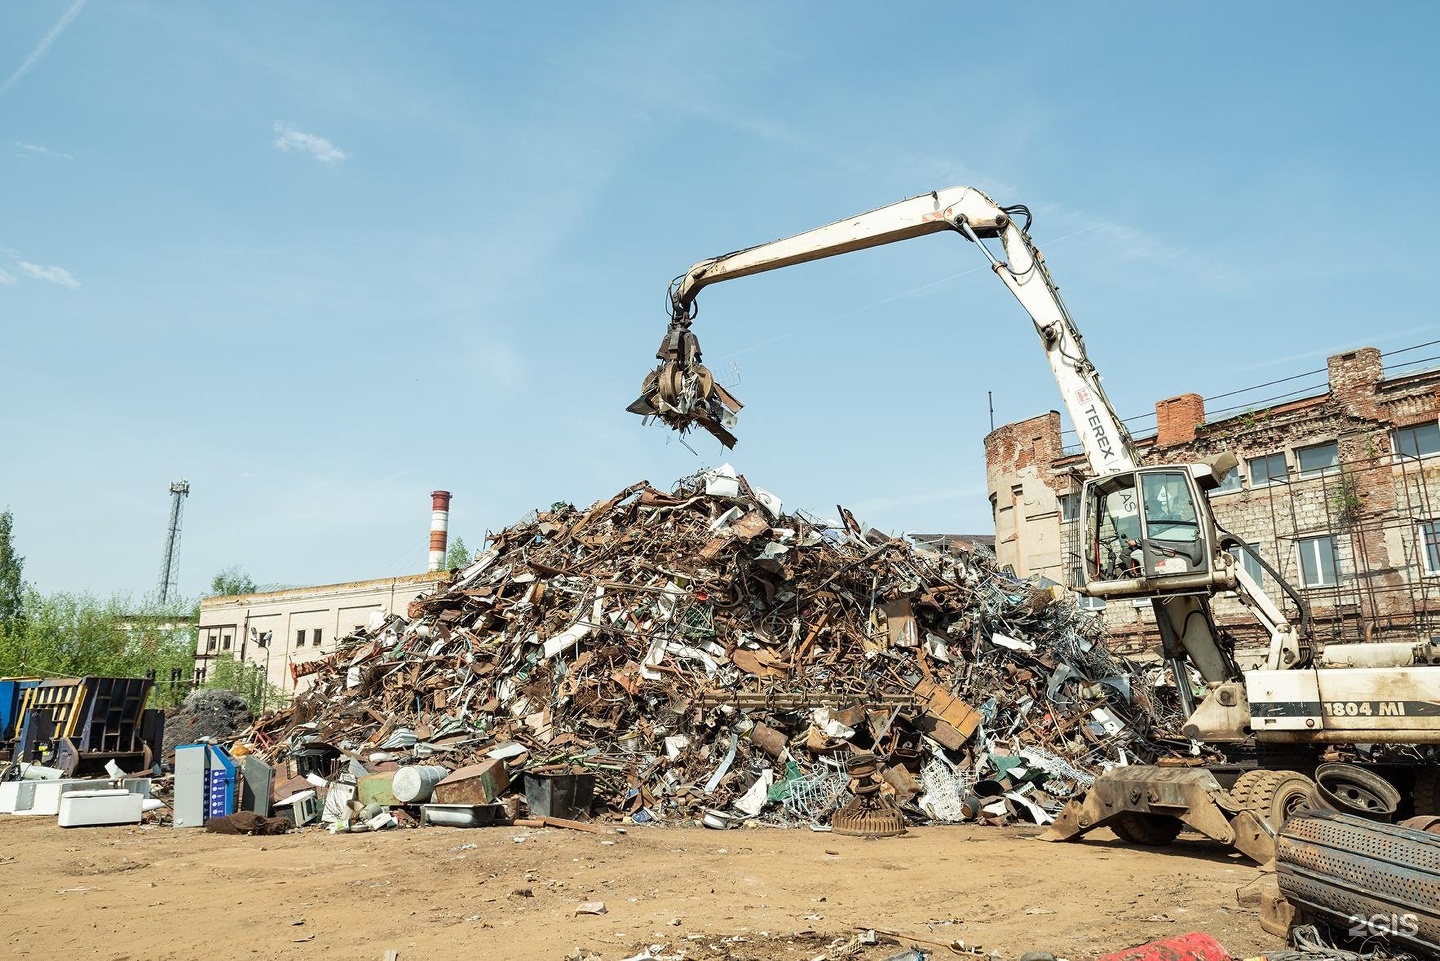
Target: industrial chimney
x: 439, y: 527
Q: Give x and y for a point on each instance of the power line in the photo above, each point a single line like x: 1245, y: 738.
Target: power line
x: 1296, y: 394
x: 1268, y: 383
x: 1404, y: 350
x: 1282, y: 380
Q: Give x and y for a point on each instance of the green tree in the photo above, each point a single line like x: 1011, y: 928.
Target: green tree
x: 80, y: 635
x: 246, y: 679
x: 231, y: 581
x: 12, y: 579
x: 458, y: 555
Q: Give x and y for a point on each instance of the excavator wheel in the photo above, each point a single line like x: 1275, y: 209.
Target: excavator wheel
x: 1427, y: 790
x: 1240, y: 790
x: 1275, y: 795
x: 1138, y: 827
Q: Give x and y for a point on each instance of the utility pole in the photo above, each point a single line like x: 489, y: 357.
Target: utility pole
x: 170, y: 568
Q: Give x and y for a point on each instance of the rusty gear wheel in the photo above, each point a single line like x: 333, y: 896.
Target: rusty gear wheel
x: 868, y: 819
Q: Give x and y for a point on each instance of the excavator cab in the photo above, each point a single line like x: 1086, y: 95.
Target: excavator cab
x: 1148, y: 532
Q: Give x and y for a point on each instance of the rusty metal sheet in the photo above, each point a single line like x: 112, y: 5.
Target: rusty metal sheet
x: 473, y: 784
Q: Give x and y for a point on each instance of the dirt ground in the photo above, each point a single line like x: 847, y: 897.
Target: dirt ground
x: 158, y: 893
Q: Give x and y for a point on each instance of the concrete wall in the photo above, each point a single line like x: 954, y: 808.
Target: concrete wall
x: 304, y: 622
x: 1025, y: 487
x: 1373, y: 504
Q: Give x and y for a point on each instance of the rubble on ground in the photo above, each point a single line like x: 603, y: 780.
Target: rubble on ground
x: 210, y: 715
x: 699, y: 654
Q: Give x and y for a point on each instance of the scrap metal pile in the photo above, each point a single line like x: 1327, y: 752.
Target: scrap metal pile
x: 701, y: 652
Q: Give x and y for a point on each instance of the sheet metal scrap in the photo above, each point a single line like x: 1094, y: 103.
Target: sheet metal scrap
x: 699, y: 649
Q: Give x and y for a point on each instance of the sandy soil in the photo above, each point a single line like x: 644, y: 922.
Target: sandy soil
x: 157, y: 893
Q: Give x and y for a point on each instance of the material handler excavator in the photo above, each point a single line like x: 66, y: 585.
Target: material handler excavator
x: 1148, y: 532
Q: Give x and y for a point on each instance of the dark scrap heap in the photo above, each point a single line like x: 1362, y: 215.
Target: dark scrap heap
x: 701, y: 652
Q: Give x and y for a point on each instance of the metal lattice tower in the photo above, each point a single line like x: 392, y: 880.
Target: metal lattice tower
x: 170, y: 568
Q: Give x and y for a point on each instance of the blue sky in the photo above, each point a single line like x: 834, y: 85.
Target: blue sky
x: 321, y: 259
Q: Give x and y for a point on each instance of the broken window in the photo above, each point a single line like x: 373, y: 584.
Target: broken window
x: 1230, y: 482
x: 300, y: 637
x: 1069, y: 507
x: 315, y: 637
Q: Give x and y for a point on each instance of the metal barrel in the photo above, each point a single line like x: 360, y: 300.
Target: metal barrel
x: 414, y: 784
x: 1383, y: 877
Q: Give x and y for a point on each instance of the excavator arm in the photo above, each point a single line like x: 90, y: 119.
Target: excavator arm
x: 1132, y: 550
x: 683, y: 393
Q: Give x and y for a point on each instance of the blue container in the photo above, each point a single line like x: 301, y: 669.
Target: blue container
x: 12, y: 691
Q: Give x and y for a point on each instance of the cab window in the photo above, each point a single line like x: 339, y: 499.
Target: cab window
x: 1170, y: 513
x: 1112, y: 526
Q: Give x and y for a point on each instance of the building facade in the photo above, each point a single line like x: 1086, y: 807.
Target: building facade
x: 276, y: 629
x: 1338, y: 491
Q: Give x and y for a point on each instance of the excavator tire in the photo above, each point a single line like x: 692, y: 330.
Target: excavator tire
x: 1274, y: 794
x: 1240, y: 790
x: 1427, y: 791
x: 1138, y: 827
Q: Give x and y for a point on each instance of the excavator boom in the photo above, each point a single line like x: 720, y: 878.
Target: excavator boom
x: 683, y: 393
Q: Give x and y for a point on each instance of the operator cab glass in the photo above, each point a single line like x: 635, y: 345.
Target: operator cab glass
x: 1145, y: 532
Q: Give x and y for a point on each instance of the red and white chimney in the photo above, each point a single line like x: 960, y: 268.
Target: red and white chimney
x: 439, y: 527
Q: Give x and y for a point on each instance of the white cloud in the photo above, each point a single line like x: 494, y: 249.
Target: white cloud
x: 6, y: 278
x: 35, y: 150
x: 55, y: 275
x: 290, y: 138
x: 43, y: 46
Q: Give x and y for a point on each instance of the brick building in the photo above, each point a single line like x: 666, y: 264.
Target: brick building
x: 1339, y: 491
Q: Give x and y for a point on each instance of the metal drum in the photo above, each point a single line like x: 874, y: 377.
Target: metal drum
x: 1383, y: 877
